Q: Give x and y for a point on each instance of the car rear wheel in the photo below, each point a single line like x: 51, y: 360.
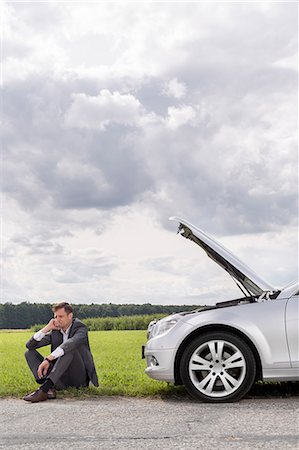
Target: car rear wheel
x: 218, y: 367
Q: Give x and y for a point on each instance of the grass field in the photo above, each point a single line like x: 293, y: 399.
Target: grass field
x: 117, y: 356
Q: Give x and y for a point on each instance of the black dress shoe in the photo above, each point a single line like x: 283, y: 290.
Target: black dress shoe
x: 36, y: 396
x: 51, y: 394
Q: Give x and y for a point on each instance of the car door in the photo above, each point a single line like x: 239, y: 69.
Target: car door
x: 292, y: 329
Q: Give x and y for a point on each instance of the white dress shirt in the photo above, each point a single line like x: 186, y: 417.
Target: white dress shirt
x: 58, y: 351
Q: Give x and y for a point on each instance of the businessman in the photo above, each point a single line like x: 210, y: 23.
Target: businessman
x: 70, y: 362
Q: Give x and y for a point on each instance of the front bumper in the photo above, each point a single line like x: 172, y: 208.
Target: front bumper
x: 160, y: 352
x: 160, y: 364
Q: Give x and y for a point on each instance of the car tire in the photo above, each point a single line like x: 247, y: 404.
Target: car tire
x: 218, y: 367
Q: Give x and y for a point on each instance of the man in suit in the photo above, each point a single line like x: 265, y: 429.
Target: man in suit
x: 70, y: 362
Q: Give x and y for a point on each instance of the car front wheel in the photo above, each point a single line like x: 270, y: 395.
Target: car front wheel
x: 218, y: 367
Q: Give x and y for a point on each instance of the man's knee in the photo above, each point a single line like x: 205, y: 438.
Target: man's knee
x: 32, y: 355
x: 27, y: 353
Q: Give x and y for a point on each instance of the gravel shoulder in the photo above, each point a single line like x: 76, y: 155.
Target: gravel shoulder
x: 138, y: 423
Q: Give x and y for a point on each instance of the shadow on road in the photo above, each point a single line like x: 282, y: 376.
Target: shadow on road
x: 259, y: 390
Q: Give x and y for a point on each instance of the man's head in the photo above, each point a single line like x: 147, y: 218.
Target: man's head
x: 63, y: 315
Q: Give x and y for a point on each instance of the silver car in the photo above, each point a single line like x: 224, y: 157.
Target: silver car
x: 219, y: 351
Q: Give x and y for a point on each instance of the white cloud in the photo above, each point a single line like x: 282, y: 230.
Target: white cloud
x: 174, y: 88
x: 99, y: 111
x: 185, y: 115
x: 290, y: 62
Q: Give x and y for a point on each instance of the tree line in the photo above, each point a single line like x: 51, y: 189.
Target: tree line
x: 25, y: 315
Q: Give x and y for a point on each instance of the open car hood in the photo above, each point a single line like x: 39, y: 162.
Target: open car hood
x: 242, y: 274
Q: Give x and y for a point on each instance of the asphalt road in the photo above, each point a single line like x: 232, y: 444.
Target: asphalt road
x: 128, y: 423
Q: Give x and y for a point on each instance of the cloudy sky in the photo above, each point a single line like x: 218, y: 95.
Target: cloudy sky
x: 119, y: 115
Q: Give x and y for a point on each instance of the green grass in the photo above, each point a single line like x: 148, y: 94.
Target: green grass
x: 117, y: 356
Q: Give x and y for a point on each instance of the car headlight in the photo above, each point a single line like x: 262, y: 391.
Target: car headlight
x: 162, y: 326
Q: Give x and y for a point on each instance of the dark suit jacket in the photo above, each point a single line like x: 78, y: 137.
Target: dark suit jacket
x: 77, y: 340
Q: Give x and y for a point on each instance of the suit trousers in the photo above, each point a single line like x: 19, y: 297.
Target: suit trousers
x: 67, y: 371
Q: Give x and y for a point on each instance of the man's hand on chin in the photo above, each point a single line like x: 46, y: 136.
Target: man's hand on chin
x: 54, y: 325
x: 51, y: 325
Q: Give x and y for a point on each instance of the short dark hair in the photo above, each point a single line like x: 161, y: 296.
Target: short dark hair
x: 65, y: 305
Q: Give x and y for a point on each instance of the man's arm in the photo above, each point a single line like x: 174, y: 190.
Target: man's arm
x: 79, y: 337
x: 42, y: 337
